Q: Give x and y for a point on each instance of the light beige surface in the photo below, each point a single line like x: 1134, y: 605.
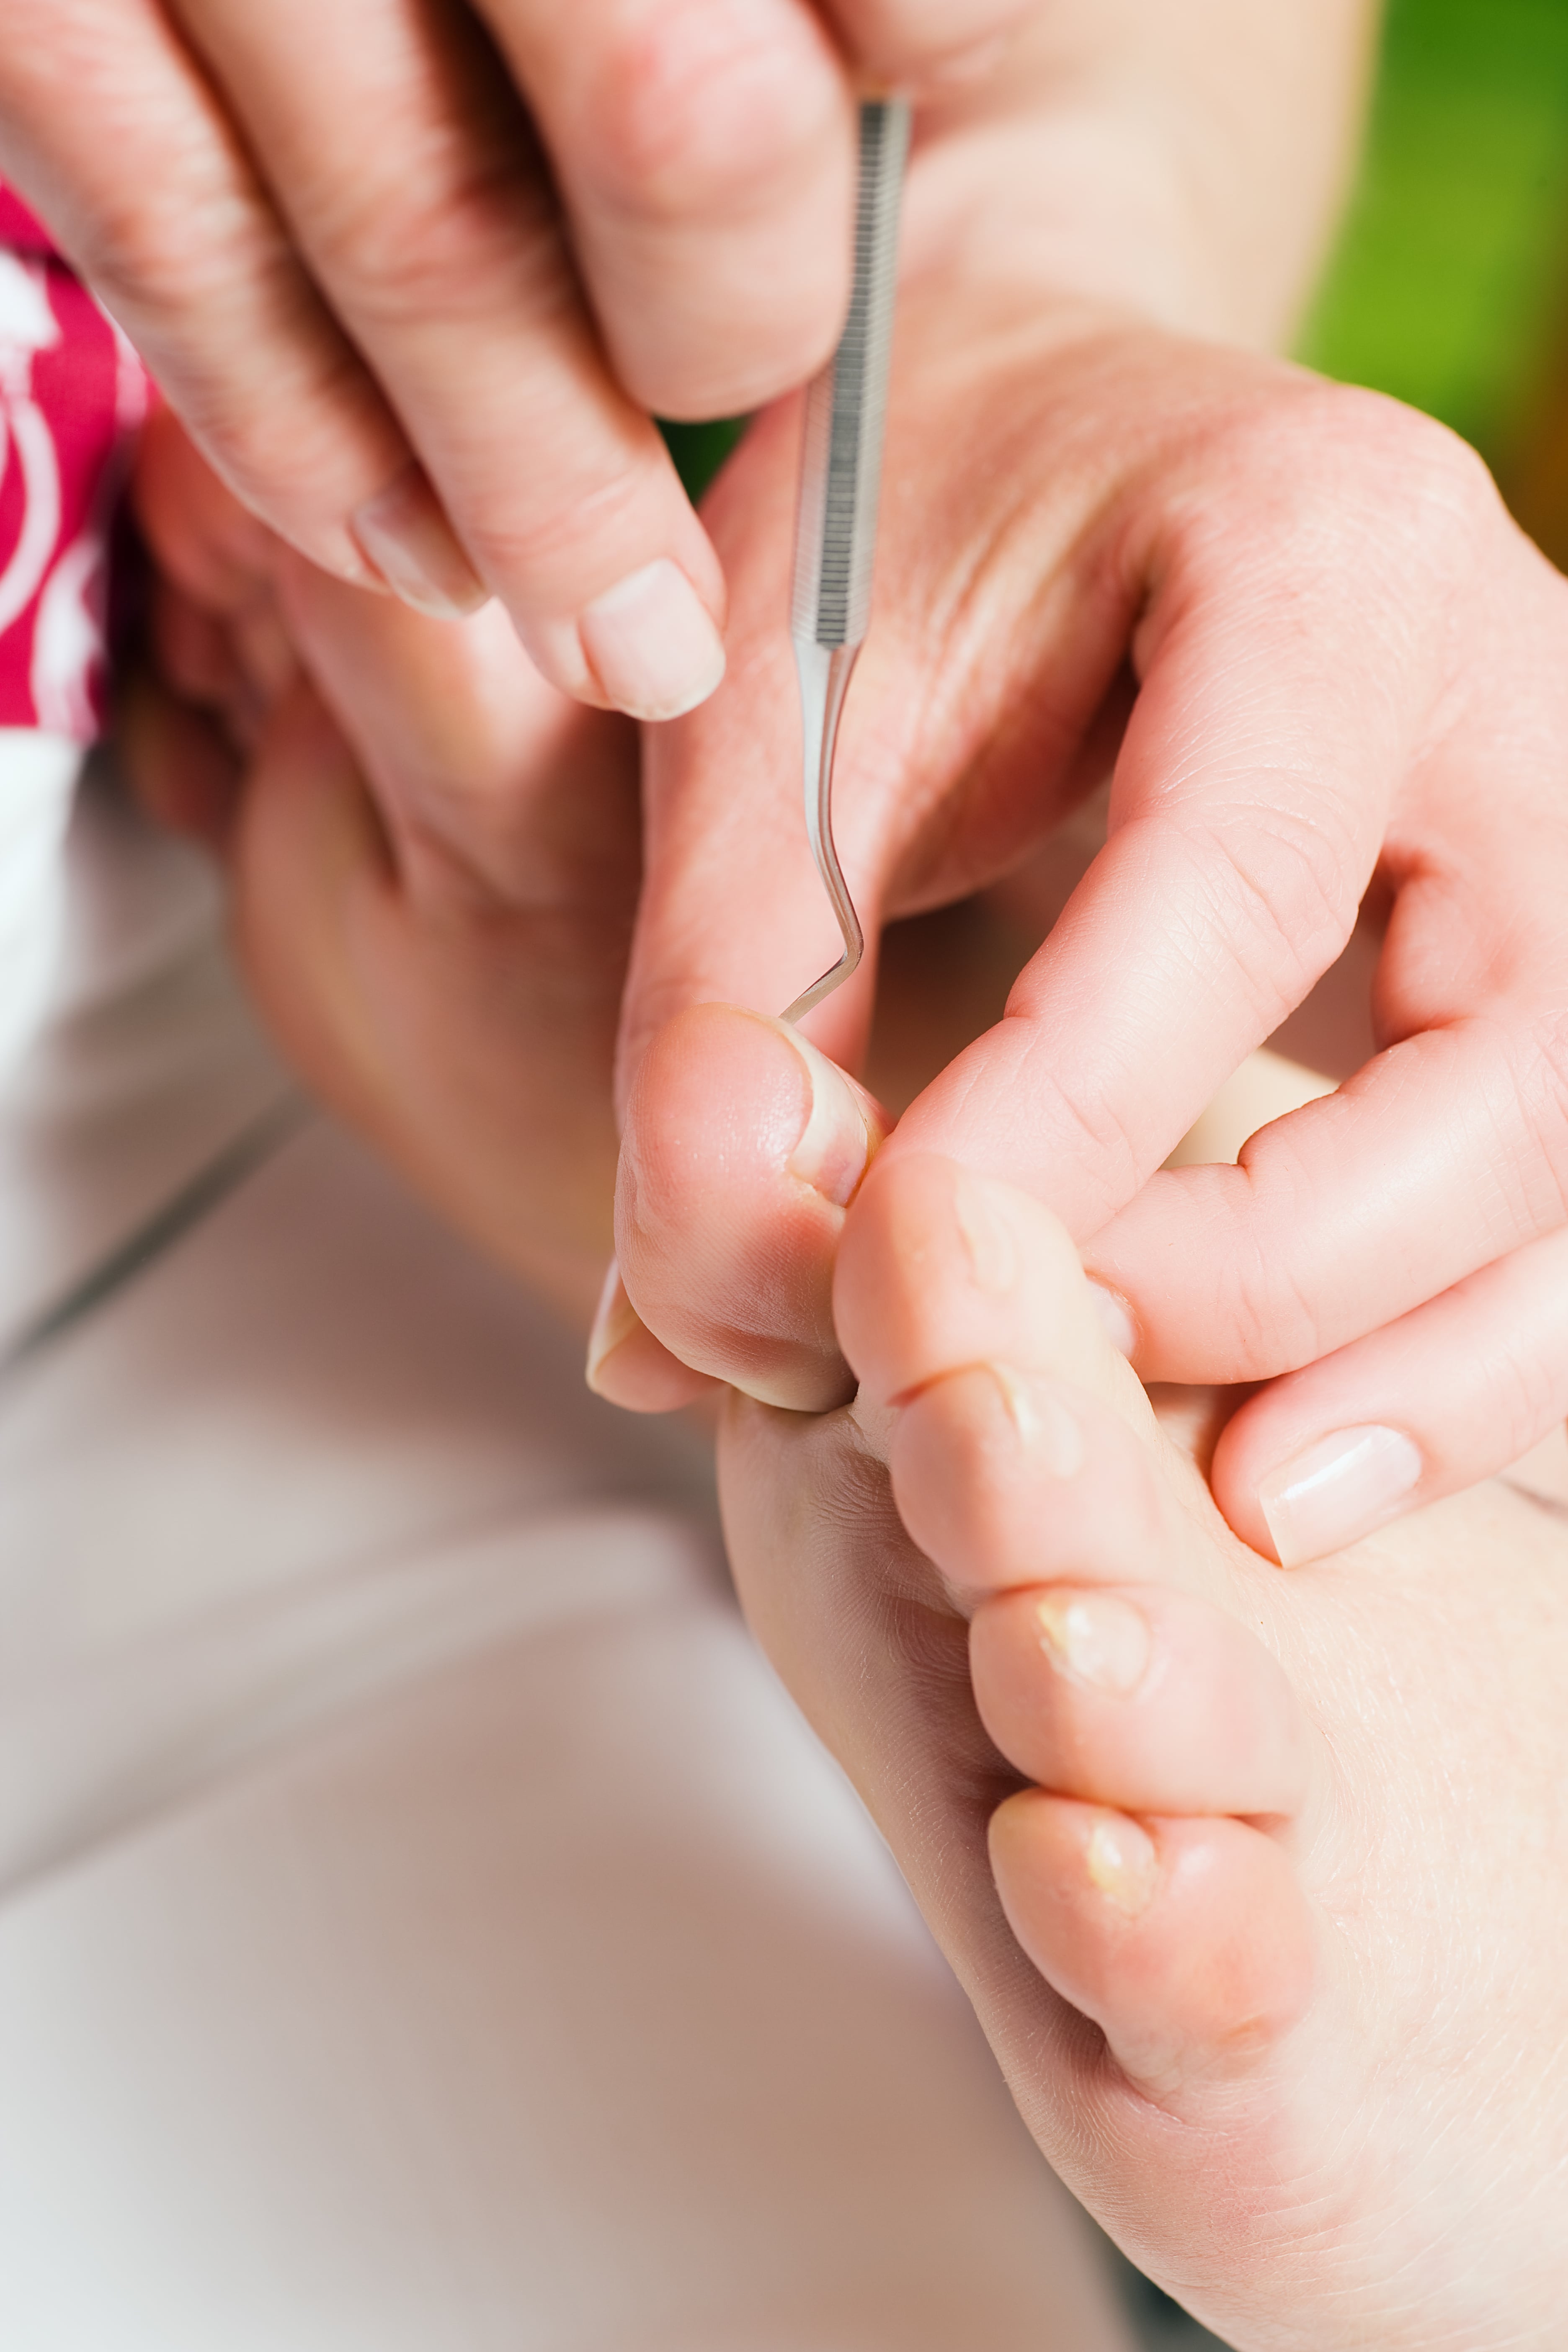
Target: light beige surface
x: 425, y: 1922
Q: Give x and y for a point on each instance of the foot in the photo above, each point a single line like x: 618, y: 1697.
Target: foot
x: 1256, y: 1879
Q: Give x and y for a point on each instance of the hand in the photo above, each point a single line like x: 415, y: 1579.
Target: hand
x: 433, y: 860
x: 415, y: 275
x: 1345, y: 668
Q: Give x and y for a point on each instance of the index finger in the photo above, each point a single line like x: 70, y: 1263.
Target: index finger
x: 1277, y: 717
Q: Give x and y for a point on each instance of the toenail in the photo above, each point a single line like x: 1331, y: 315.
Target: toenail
x: 1339, y: 1489
x: 1041, y: 1424
x: 834, y: 1145
x: 1095, y: 1638
x: 615, y: 1321
x: 1122, y: 1862
x: 987, y: 1237
x: 1116, y: 1316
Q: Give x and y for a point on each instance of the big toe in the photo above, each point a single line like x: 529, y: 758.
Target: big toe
x: 744, y: 1147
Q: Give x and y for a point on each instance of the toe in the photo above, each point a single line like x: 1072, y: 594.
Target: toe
x: 743, y: 1147
x: 1140, y: 1697
x: 1188, y: 1942
x: 1005, y: 1479
x: 940, y: 1268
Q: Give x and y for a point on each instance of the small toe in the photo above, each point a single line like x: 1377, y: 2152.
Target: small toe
x: 1140, y: 1697
x: 1189, y: 1943
x: 1006, y: 1477
x: 940, y: 1268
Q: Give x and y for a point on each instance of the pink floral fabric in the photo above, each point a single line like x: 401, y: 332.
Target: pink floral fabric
x: 72, y: 393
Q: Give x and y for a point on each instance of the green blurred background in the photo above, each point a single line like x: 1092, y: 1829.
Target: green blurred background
x: 1449, y: 283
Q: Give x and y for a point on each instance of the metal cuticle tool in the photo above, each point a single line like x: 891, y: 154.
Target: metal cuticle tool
x: 836, y: 527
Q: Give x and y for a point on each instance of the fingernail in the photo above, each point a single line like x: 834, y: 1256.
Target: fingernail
x: 405, y: 535
x: 1116, y: 1316
x: 652, y: 643
x: 1343, y: 1488
x: 1122, y: 1862
x: 1095, y: 1639
x: 834, y: 1145
x: 987, y: 1237
x: 1041, y: 1424
x: 615, y: 1321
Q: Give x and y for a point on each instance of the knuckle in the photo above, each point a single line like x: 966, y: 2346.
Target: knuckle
x: 436, y: 246
x: 1276, y: 887
x: 697, y: 113
x: 1270, y: 1323
x: 1373, y: 456
x: 162, y: 249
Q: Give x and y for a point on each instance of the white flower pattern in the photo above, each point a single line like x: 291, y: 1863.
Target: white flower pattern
x: 71, y: 394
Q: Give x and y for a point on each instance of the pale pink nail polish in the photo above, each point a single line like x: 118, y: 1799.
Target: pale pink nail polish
x: 1347, y: 1484
x: 652, y: 643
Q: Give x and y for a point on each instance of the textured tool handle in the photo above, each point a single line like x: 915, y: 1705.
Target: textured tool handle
x: 841, y: 465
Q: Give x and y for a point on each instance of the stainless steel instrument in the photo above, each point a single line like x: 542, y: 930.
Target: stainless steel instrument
x: 835, y: 528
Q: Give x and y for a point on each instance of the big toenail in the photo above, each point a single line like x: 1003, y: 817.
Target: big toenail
x: 1337, y: 1490
x: 835, y: 1144
x: 993, y: 1253
x: 1122, y: 1862
x: 1116, y: 1316
x: 1095, y: 1638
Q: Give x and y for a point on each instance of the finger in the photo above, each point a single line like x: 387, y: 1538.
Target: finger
x: 110, y: 129
x: 733, y: 908
x: 915, y: 42
x: 1427, y: 1406
x: 706, y: 154
x: 1140, y: 1697
x: 1250, y: 800
x: 742, y: 1147
x: 1440, y: 1156
x: 413, y: 185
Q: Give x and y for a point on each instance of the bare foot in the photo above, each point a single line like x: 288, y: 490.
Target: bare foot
x: 1256, y: 1879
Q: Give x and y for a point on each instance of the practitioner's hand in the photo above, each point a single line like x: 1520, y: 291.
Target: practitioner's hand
x: 433, y: 858
x: 1351, y: 685
x: 416, y: 272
